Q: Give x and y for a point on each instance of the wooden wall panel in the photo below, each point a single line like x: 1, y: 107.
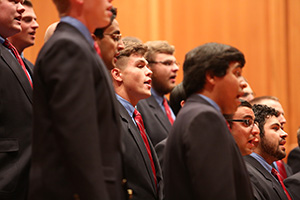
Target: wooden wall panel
x: 267, y: 31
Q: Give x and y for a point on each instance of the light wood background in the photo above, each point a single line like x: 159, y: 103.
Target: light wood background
x: 266, y: 31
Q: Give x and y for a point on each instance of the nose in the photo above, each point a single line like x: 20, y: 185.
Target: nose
x: 175, y: 67
x: 148, y: 72
x: 255, y: 130
x: 20, y: 8
x: 121, y: 45
x: 283, y: 134
x: 243, y: 83
x: 35, y: 25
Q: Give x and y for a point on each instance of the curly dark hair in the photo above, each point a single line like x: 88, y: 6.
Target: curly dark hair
x: 263, y: 112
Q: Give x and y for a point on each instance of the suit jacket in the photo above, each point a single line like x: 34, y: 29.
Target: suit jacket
x: 294, y: 160
x: 264, y: 184
x: 160, y: 149
x: 15, y: 127
x: 155, y: 120
x: 28, y: 65
x: 76, y: 133
x: 137, y: 163
x: 199, y: 143
x: 292, y: 183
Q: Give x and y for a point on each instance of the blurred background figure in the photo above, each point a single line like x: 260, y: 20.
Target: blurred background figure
x: 248, y: 92
x: 26, y: 37
x: 294, y: 156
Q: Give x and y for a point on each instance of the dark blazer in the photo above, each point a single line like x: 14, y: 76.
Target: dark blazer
x: 156, y: 121
x: 264, y: 184
x: 198, y: 144
x: 137, y: 163
x: 28, y: 65
x: 160, y: 150
x: 292, y: 183
x: 76, y: 133
x: 293, y: 160
x: 15, y: 127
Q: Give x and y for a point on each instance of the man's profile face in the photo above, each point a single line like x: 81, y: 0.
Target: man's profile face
x: 243, y: 133
x: 273, y: 141
x: 164, y: 73
x: 111, y: 44
x: 229, y: 88
x: 29, y: 25
x: 10, y: 17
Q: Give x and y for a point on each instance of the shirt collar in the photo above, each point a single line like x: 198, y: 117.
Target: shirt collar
x: 2, y: 39
x: 157, y: 97
x: 126, y: 104
x: 262, y: 161
x: 79, y: 26
x: 214, y: 104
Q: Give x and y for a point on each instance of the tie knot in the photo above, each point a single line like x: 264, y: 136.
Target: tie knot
x: 7, y: 44
x: 136, y: 113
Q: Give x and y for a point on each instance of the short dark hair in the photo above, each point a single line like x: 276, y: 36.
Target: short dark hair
x: 211, y: 57
x: 242, y: 104
x: 100, y: 31
x: 262, y: 112
x: 176, y: 96
x: 27, y: 3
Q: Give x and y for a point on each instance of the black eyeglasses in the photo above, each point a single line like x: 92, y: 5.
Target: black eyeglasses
x: 167, y: 62
x: 247, y: 122
x: 115, y: 36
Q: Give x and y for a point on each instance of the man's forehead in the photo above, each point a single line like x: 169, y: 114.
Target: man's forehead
x: 272, y: 120
x: 273, y: 104
x: 113, y: 28
x: 244, y: 111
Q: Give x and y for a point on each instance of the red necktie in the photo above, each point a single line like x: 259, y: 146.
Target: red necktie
x: 281, y: 169
x: 139, y: 121
x: 279, y: 178
x: 18, y: 57
x: 168, y: 111
x: 97, y: 48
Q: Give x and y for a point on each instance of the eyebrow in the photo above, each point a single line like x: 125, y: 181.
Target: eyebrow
x: 141, y: 61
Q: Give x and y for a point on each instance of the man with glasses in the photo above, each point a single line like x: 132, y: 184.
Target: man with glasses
x: 157, y: 114
x: 109, y: 41
x: 265, y: 181
x: 244, y: 128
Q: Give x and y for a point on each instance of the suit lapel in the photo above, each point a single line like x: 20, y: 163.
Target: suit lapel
x: 135, y: 134
x: 275, y: 185
x: 13, y: 64
x: 159, y: 114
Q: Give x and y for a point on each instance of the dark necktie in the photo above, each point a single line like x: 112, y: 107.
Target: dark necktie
x: 168, y: 111
x: 139, y: 121
x: 18, y: 57
x: 279, y: 178
x: 281, y: 169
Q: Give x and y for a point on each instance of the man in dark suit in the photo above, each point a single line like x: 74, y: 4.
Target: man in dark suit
x: 132, y: 82
x: 162, y: 62
x: 26, y: 37
x: 292, y: 183
x: 294, y: 156
x: 200, y: 141
x: 15, y: 109
x: 273, y: 102
x: 270, y: 148
x: 76, y: 150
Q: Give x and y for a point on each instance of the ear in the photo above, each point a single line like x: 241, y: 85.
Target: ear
x: 93, y: 36
x: 210, y: 78
x: 116, y: 74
